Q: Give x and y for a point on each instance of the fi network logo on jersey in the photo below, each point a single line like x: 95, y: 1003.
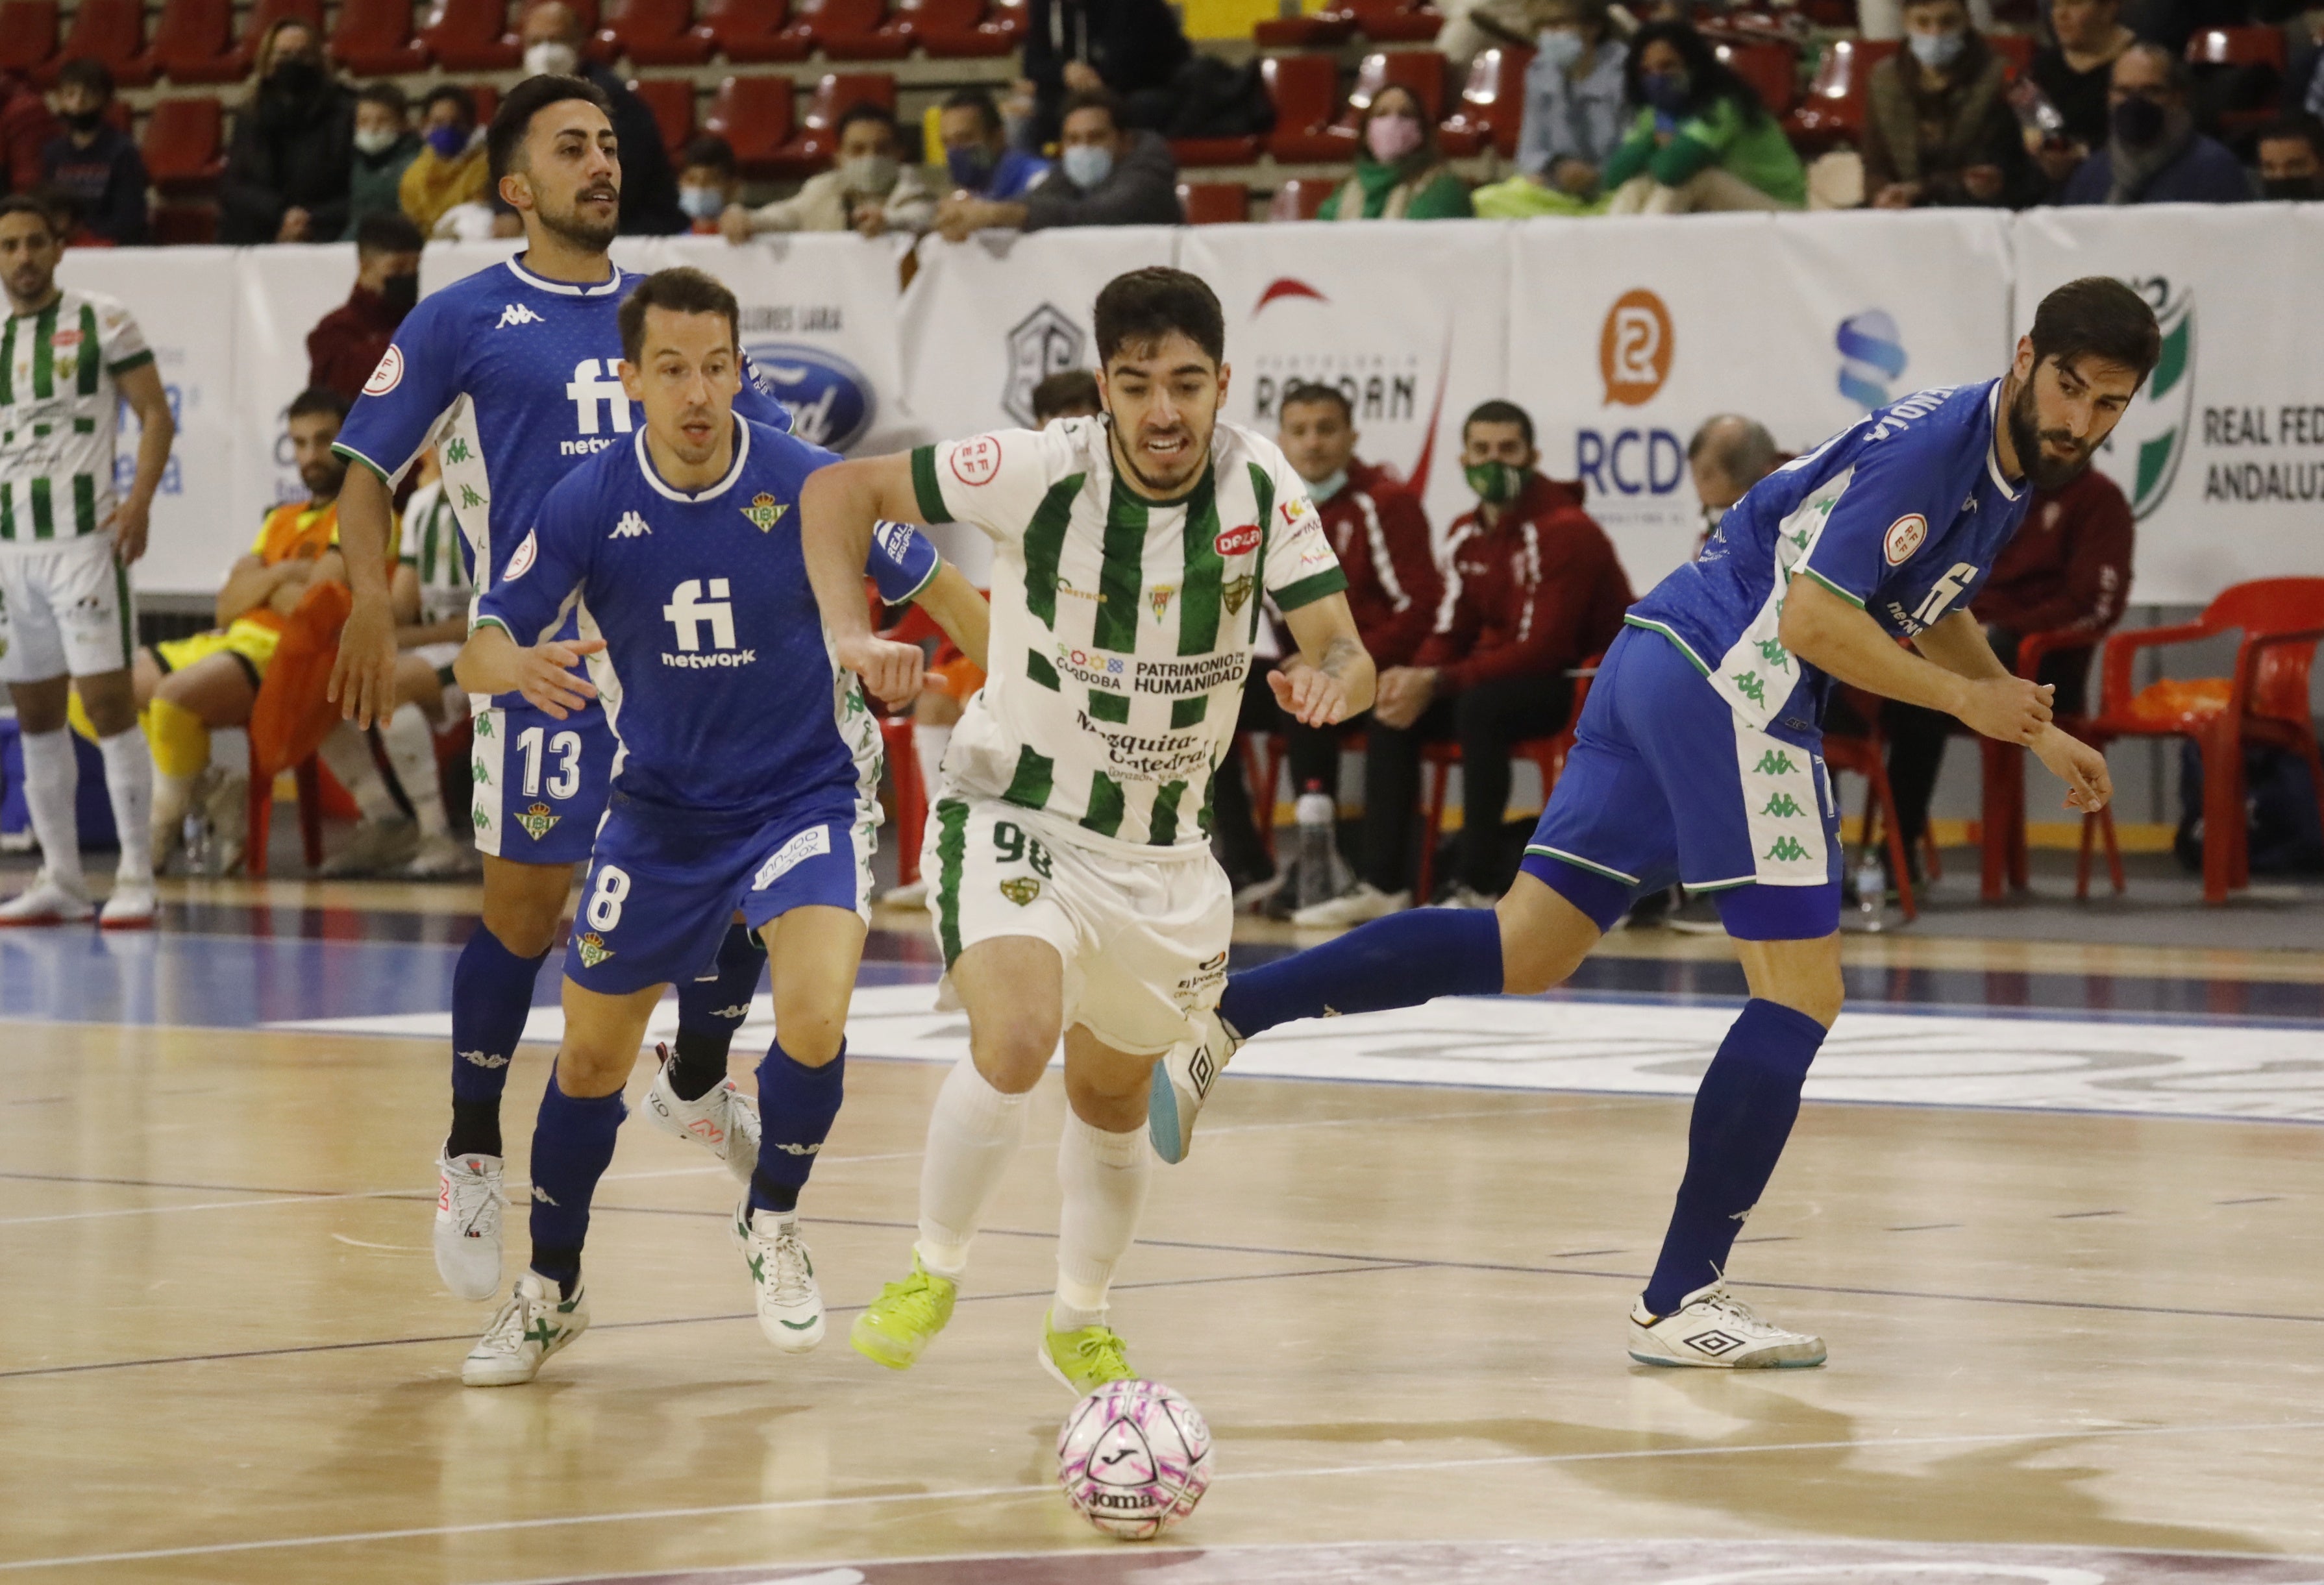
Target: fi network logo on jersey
x: 631, y: 526
x: 518, y: 314
x: 593, y: 386
x: 689, y: 614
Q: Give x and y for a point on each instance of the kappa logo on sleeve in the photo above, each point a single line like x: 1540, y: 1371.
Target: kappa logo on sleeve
x: 976, y: 462
x: 388, y: 375
x: 1905, y: 537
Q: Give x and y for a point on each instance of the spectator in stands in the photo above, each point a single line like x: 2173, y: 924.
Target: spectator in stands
x: 1532, y: 587
x: 707, y: 183
x: 1726, y: 456
x: 2291, y: 160
x: 1131, y: 48
x: 93, y: 162
x: 2154, y: 154
x: 450, y: 171
x: 348, y: 343
x: 291, y: 156
x: 1701, y: 139
x: 1573, y: 115
x: 1885, y: 19
x: 1938, y: 131
x: 2303, y: 76
x: 26, y: 127
x: 2073, y: 74
x: 1105, y: 176
x: 1399, y: 175
x: 2066, y: 570
x: 871, y: 189
x: 977, y: 156
x: 552, y: 46
x: 385, y: 145
x: 1069, y: 393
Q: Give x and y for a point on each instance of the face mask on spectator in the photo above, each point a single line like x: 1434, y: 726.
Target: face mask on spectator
x: 1937, y: 50
x: 868, y: 173
x: 1497, y: 483
x: 1391, y: 137
x: 448, y: 141
x: 2138, y: 122
x: 969, y: 166
x: 297, y: 76
x: 1087, y: 165
x: 1666, y: 91
x: 400, y: 291
x: 82, y: 120
x: 701, y: 203
x: 551, y: 58
x: 1325, y: 488
x: 1560, y: 48
x: 376, y: 140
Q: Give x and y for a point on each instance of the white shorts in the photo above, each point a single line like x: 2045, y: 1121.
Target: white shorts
x: 438, y: 656
x: 1144, y: 939
x: 65, y: 610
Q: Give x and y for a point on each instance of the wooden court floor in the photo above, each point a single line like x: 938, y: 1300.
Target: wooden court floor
x: 224, y: 1356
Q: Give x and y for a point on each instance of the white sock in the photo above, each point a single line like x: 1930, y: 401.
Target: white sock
x: 929, y: 743
x: 411, y: 750
x: 348, y: 754
x: 129, y: 782
x: 51, y: 781
x: 1105, y: 1177
x: 230, y: 751
x: 172, y: 796
x: 973, y: 1132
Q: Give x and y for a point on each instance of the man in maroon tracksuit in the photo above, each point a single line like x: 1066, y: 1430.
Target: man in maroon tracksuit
x: 2066, y: 570
x: 1533, y: 586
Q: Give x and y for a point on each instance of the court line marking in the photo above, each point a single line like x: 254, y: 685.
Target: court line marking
x: 1045, y: 1488
x: 65, y: 1177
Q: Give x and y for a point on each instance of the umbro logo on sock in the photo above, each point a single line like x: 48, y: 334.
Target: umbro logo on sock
x: 542, y: 1195
x: 798, y: 1149
x: 485, y: 1059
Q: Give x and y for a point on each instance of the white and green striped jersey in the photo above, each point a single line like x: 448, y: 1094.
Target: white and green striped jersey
x: 58, y: 365
x: 431, y: 547
x: 1121, y: 627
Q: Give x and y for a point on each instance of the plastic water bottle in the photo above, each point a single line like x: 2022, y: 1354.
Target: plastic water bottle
x: 1318, y: 816
x: 197, y: 832
x: 1871, y: 891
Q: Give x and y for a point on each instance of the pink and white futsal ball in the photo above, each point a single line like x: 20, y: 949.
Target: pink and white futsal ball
x: 1134, y: 1458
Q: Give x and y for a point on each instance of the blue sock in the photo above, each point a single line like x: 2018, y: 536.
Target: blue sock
x: 1401, y: 961
x: 710, y: 1011
x: 572, y: 1144
x: 492, y: 996
x: 1743, y: 1114
x: 797, y: 1107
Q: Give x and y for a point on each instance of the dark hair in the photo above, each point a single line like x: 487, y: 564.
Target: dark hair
x: 527, y: 99
x: 1068, y: 388
x: 2097, y: 317
x: 1105, y: 100
x: 390, y: 95
x: 388, y: 231
x: 1498, y: 411
x: 979, y: 100
x: 1709, y: 80
x: 457, y: 95
x: 81, y: 71
x: 708, y: 150
x: 27, y: 203
x: 319, y: 399
x: 2296, y: 124
x: 862, y: 110
x: 1301, y: 393
x: 1144, y: 306
x: 682, y: 290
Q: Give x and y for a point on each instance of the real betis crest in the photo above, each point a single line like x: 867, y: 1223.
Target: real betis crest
x: 594, y: 950
x: 764, y: 511
x: 1235, y: 592
x: 2149, y: 444
x: 538, y: 821
x: 1021, y: 889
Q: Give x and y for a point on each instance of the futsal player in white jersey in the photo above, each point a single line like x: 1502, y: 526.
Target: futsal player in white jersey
x: 1074, y: 891
x: 68, y: 360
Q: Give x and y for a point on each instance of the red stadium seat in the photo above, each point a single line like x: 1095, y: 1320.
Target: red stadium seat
x: 1214, y: 203
x: 656, y: 33
x: 853, y: 30
x: 1393, y: 21
x: 1493, y: 106
x: 818, y: 134
x: 487, y: 98
x: 112, y: 32
x: 28, y: 34
x: 1228, y: 151
x: 2239, y: 73
x: 1833, y: 111
x: 182, y: 225
x: 1300, y: 197
x: 1773, y: 70
x: 2238, y: 46
x: 1314, y: 31
x: 193, y: 43
x: 671, y: 100
x: 1420, y: 70
x: 753, y: 115
x: 755, y: 30
x: 964, y: 30
x: 472, y: 35
x: 2017, y: 49
x: 372, y: 38
x: 184, y: 146
x: 1305, y: 91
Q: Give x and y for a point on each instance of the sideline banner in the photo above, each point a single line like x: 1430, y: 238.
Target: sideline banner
x: 1408, y: 318
x: 2222, y: 453
x: 284, y: 291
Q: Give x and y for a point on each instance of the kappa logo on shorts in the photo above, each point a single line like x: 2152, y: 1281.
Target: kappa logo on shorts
x: 1021, y: 889
x: 807, y: 844
x: 594, y: 950
x: 538, y: 821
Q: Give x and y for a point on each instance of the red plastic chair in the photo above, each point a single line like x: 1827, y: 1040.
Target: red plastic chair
x: 1300, y: 198
x: 2220, y: 49
x: 671, y: 100
x: 1306, y: 91
x: 184, y: 146
x: 1773, y: 70
x: 193, y: 43
x: 2003, y: 858
x: 911, y: 811
x: 818, y: 139
x: 849, y: 29
x: 1866, y: 754
x: 185, y: 225
x: 472, y: 35
x: 2264, y: 702
x: 1393, y: 21
x: 1420, y: 70
x: 1492, y: 106
x: 655, y: 32
x: 1214, y: 203
x: 112, y: 32
x: 2016, y: 48
x: 372, y: 38
x: 488, y: 100
x: 1833, y: 111
x: 755, y: 31
x: 753, y: 115
x: 28, y: 35
x: 1547, y: 754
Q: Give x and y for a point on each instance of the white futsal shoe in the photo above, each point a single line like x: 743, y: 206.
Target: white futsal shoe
x: 722, y: 1119
x: 46, y: 902
x: 1184, y: 1078
x: 130, y: 907
x: 1714, y: 1330
x: 782, y: 1273
x: 1366, y: 903
x: 469, y: 1200
x: 533, y: 1324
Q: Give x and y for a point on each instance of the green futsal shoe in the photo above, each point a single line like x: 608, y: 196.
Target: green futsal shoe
x: 1084, y: 1360
x: 898, y: 1325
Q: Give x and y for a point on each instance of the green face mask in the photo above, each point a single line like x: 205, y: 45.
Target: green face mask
x: 1497, y: 483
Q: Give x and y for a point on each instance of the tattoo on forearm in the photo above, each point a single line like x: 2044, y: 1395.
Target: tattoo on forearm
x: 1343, y: 653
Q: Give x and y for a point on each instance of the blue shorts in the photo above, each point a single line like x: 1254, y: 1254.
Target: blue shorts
x: 1666, y: 783
x: 541, y: 783
x: 663, y: 886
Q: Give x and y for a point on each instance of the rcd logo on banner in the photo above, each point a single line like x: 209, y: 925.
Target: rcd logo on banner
x: 1635, y: 348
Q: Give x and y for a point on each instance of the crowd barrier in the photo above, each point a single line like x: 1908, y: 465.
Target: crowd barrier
x: 1619, y: 336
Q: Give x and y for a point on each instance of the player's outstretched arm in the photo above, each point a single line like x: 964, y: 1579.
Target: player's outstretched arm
x: 492, y: 662
x: 953, y: 604
x: 837, y: 507
x: 1331, y: 678
x: 1959, y: 644
x: 1838, y: 637
x: 363, y: 674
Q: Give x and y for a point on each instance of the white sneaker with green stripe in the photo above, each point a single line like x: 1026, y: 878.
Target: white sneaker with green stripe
x: 536, y: 1322
x: 782, y: 1277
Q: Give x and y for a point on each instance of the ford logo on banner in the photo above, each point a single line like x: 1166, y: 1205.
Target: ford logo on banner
x: 831, y: 403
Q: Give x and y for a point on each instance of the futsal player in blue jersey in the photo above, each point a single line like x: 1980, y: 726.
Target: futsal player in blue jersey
x: 747, y: 779
x: 512, y: 374
x: 1697, y: 761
